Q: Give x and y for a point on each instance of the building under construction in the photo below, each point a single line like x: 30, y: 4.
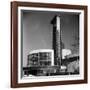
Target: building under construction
x: 47, y: 62
x: 56, y: 40
x: 44, y: 62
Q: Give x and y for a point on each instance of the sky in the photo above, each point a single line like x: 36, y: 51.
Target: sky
x: 37, y: 30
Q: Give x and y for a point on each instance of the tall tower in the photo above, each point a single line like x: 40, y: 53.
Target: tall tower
x: 57, y: 40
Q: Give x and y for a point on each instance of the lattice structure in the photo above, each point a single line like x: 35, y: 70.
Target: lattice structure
x: 57, y: 40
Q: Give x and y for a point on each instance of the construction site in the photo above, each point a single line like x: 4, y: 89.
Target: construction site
x: 49, y: 62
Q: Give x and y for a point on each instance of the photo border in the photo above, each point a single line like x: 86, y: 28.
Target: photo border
x: 14, y: 43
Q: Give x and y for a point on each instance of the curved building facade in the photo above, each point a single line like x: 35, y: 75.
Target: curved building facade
x: 42, y: 57
x: 40, y: 62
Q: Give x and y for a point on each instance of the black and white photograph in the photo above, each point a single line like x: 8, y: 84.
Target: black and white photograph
x: 49, y: 44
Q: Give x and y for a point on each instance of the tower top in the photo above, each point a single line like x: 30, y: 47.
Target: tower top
x: 53, y: 21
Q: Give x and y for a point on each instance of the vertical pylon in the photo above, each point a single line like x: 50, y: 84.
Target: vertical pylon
x: 57, y: 40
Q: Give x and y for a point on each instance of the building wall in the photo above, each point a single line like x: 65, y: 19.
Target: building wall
x: 43, y: 57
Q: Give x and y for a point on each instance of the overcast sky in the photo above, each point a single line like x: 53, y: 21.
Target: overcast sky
x: 37, y: 30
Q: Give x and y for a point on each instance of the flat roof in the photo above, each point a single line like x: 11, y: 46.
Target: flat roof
x: 41, y: 50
